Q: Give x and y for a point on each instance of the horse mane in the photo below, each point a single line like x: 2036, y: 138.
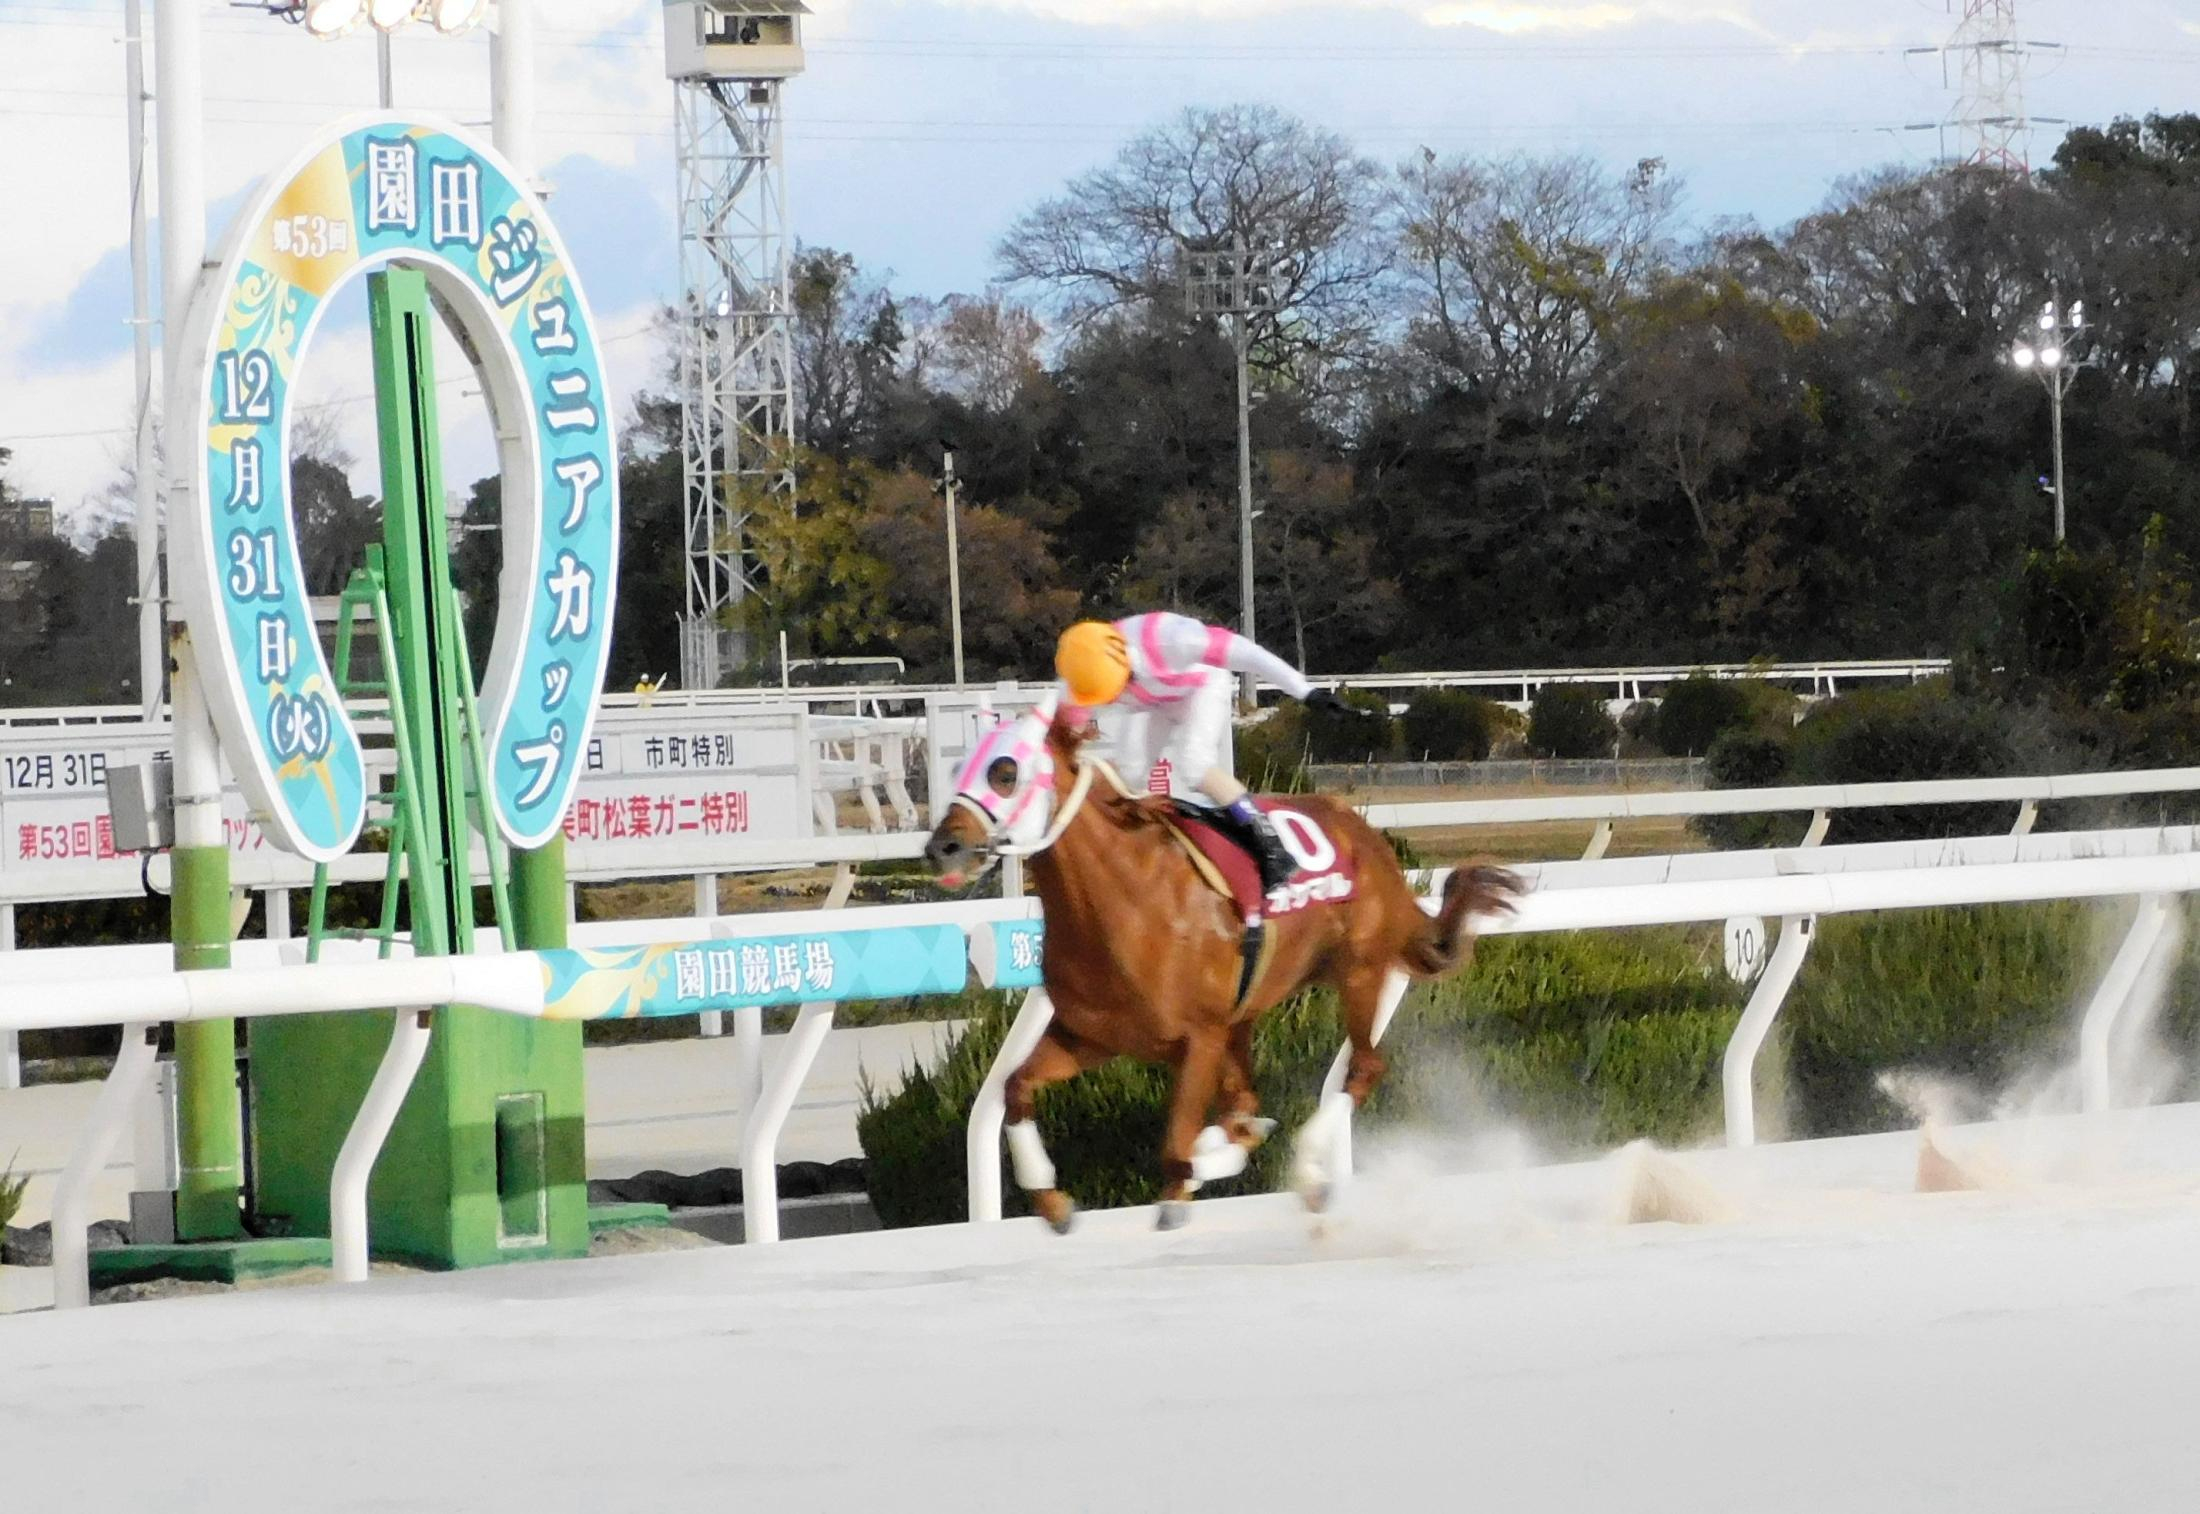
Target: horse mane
x: 1114, y: 797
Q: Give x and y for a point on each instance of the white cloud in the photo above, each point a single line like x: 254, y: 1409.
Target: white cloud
x: 64, y: 154
x: 1512, y: 19
x: 1507, y: 17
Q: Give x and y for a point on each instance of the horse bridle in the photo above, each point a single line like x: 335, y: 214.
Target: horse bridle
x: 995, y: 851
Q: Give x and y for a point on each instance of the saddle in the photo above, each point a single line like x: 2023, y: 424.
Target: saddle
x: 1220, y: 852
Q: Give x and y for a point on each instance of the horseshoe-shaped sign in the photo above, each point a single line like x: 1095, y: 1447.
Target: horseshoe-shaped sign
x: 393, y: 189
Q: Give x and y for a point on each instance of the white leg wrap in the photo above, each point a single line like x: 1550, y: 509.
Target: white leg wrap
x: 1323, y: 1151
x: 1034, y: 1169
x: 1215, y: 1156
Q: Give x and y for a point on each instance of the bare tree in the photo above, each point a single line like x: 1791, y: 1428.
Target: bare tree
x: 1299, y: 197
x: 1516, y: 269
x: 983, y: 348
x: 1957, y: 241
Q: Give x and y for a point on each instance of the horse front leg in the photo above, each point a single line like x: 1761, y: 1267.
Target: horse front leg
x: 1198, y: 1075
x: 1054, y: 1060
x: 1222, y: 1149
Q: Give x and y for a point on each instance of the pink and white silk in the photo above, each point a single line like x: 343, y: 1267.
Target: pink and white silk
x: 1175, y: 658
x: 1172, y: 656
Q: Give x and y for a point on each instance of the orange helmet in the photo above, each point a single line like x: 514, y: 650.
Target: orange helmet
x: 1093, y: 661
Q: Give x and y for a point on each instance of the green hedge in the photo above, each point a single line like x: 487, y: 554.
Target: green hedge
x: 1699, y: 710
x: 1924, y: 731
x: 1569, y: 720
x: 1451, y: 725
x: 1588, y: 1040
x: 1693, y: 714
x: 1368, y: 736
x: 1272, y: 752
x: 1921, y: 732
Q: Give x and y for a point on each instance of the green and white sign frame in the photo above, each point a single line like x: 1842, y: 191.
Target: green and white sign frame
x: 369, y: 192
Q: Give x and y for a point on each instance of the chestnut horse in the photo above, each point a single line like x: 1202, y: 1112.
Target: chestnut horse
x: 1144, y: 958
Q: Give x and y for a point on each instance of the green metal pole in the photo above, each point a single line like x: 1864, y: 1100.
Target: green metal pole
x: 417, y: 566
x: 209, y: 1125
x: 538, y: 894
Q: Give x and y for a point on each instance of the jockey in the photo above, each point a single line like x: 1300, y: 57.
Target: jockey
x: 1177, y: 670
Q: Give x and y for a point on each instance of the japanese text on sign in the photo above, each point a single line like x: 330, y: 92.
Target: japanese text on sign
x: 621, y: 817
x: 752, y: 970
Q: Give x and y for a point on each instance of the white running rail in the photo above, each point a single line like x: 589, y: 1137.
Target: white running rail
x: 1795, y: 885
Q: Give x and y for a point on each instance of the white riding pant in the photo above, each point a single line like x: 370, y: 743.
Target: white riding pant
x: 1193, y: 733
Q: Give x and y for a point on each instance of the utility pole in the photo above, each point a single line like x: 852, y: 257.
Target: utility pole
x: 954, y: 563
x: 1222, y: 282
x: 209, y: 1125
x: 151, y: 659
x: 2054, y: 405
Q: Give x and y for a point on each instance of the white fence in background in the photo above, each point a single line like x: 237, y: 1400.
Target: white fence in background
x: 705, y: 858
x: 134, y: 986
x: 1514, y: 686
x: 1794, y: 885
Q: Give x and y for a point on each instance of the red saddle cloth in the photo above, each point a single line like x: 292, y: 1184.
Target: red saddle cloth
x: 1325, y: 874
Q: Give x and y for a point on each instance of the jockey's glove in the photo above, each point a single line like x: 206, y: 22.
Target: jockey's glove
x: 1329, y: 702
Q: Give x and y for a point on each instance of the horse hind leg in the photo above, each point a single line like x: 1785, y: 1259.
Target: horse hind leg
x: 1053, y: 1060
x: 1322, y: 1154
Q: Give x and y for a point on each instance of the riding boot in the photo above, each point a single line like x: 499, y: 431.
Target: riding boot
x: 1276, y: 863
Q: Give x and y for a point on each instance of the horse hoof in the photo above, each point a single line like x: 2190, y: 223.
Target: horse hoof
x: 1171, y: 1214
x: 1058, y: 1210
x: 1317, y: 1196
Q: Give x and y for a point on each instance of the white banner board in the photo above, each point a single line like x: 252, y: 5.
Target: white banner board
x: 734, y: 775
x: 53, y: 812
x: 714, y: 775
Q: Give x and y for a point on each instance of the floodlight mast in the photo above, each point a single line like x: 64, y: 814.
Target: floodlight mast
x: 728, y: 60
x: 1236, y: 281
x: 2048, y: 350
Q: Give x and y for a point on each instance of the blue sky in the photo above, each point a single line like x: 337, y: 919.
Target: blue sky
x: 922, y: 129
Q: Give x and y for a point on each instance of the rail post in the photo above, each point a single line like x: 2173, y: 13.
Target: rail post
x: 982, y: 1142
x: 1738, y: 1072
x: 2156, y: 918
x: 72, y: 1275
x: 760, y: 1132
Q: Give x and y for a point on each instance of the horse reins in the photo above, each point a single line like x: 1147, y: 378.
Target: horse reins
x: 1070, y: 807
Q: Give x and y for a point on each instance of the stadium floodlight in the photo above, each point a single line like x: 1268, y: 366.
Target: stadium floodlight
x: 389, y: 15
x: 454, y: 16
x: 2048, y: 350
x: 332, y: 18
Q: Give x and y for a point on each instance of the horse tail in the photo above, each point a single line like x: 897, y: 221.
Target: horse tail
x: 1447, y: 941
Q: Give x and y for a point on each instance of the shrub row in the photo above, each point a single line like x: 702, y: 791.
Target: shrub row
x: 1924, y: 731
x: 1451, y: 725
x: 1588, y: 1040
